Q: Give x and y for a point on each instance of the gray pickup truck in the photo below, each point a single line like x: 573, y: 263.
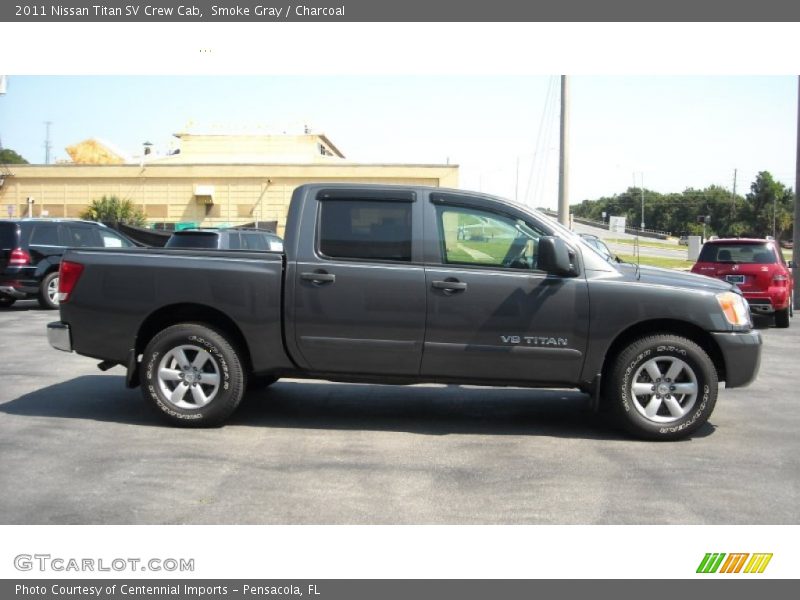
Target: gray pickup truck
x: 407, y: 285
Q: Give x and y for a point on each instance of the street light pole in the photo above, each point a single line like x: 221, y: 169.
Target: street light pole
x: 642, y: 190
x: 563, y: 166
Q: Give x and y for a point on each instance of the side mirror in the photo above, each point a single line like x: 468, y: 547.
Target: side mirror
x: 553, y: 256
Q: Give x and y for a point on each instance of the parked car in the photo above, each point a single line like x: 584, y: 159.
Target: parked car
x: 599, y: 245
x: 375, y: 285
x: 758, y: 268
x: 31, y: 251
x: 237, y: 238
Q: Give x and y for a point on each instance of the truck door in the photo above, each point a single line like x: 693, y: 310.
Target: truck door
x: 491, y: 314
x: 359, y: 283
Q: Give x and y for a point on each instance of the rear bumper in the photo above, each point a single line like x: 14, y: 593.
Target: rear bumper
x: 18, y: 283
x: 742, y: 354
x: 8, y: 290
x: 768, y: 302
x: 59, y: 336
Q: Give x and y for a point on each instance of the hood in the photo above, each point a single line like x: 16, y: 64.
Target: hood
x: 659, y: 276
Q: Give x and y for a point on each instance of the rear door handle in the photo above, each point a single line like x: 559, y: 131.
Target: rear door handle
x: 450, y: 285
x: 318, y: 277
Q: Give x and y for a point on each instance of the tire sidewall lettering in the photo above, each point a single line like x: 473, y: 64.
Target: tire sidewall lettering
x: 219, y: 404
x: 648, y: 348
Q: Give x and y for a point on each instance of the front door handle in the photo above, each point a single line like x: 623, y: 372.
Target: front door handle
x: 318, y: 278
x: 450, y: 285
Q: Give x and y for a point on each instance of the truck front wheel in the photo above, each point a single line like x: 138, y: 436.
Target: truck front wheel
x: 662, y: 387
x: 192, y: 375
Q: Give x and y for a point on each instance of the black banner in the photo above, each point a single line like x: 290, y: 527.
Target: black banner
x: 400, y: 11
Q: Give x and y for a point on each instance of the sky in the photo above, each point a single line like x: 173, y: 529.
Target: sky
x: 670, y: 132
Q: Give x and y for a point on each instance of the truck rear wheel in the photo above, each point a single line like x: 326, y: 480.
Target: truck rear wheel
x: 662, y: 387
x: 192, y: 375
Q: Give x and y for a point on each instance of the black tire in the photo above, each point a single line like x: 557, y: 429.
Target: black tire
x: 188, y: 371
x: 782, y: 318
x: 689, y: 368
x: 46, y: 300
x: 7, y: 301
x: 259, y: 382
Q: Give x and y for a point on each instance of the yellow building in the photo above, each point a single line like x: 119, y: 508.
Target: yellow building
x: 209, y: 180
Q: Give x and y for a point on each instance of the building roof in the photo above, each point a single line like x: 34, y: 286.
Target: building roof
x: 95, y: 152
x: 235, y: 148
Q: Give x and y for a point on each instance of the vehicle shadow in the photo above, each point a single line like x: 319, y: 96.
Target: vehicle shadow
x: 763, y: 322
x: 28, y: 305
x: 435, y: 410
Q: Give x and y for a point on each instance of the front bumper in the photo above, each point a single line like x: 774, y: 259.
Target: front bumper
x: 742, y: 354
x: 58, y: 334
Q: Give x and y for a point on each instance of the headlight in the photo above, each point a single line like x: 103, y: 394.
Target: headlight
x: 735, y: 308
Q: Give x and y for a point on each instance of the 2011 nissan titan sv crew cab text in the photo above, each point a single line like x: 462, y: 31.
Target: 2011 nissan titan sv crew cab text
x: 402, y: 285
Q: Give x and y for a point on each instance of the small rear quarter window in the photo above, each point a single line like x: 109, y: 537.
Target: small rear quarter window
x: 8, y: 236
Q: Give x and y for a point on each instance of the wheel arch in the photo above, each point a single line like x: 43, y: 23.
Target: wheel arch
x: 47, y: 266
x: 192, y: 313
x: 667, y: 327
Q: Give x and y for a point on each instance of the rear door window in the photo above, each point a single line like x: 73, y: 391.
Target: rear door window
x: 44, y: 234
x: 83, y: 236
x: 234, y: 241
x: 254, y: 241
x: 366, y: 230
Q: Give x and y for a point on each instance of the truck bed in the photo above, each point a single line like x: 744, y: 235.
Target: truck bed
x: 128, y: 290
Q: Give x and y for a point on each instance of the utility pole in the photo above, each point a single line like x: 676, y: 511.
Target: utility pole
x: 733, y: 196
x: 796, y: 234
x: 47, y: 145
x: 774, y: 207
x: 642, y: 189
x: 563, y: 165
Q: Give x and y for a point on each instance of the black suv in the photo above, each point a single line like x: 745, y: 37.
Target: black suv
x: 31, y: 250
x: 226, y: 239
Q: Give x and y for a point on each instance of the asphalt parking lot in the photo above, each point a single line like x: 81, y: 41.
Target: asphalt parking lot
x: 76, y: 446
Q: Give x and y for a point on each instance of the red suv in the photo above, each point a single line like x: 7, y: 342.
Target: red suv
x: 758, y: 268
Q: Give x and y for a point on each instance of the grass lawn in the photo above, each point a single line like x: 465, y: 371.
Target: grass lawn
x: 657, y: 261
x: 644, y: 242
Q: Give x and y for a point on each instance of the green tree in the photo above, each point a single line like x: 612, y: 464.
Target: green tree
x: 9, y: 157
x: 769, y: 199
x: 730, y: 216
x: 112, y: 209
